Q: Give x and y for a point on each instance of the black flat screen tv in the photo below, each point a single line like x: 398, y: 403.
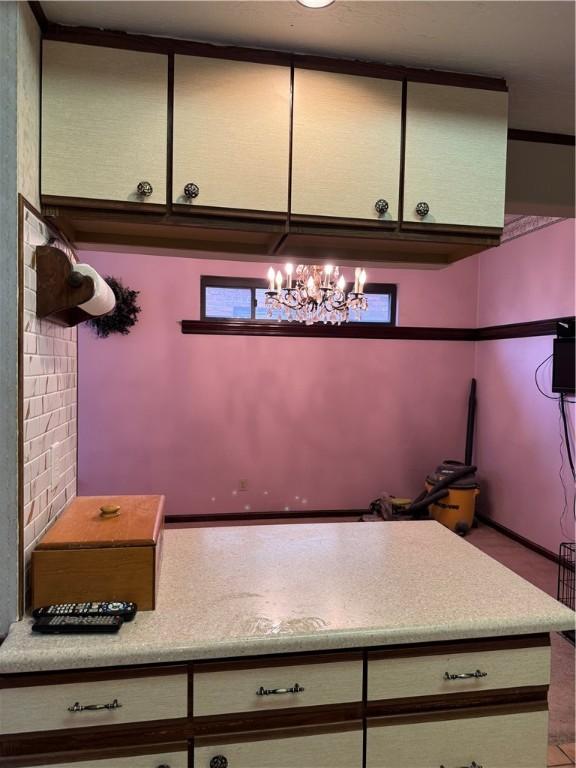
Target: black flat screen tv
x: 563, y: 363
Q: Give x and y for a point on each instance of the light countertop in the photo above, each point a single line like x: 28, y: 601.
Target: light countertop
x: 256, y: 590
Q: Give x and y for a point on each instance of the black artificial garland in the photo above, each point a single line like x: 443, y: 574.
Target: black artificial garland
x: 124, y: 314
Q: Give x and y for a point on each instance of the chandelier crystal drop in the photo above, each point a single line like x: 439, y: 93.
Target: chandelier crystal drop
x: 314, y: 294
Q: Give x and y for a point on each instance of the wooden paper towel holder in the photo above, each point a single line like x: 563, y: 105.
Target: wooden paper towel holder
x: 59, y: 288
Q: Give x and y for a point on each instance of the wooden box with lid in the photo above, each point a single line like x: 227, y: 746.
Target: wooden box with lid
x: 101, y: 548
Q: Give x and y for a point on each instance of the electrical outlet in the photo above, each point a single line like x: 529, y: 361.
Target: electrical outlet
x: 243, y: 485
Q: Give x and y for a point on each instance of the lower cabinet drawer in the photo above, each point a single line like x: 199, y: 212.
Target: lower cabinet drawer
x: 159, y: 760
x: 100, y: 703
x: 334, y: 749
x: 448, y: 673
x: 276, y: 687
x: 498, y: 741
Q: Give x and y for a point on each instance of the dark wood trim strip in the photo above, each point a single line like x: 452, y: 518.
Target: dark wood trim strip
x: 347, y: 331
x: 290, y: 152
x: 53, y: 201
x: 566, y: 139
x: 234, y: 214
x: 509, y: 708
x: 476, y: 645
x: 165, y: 45
x: 30, y: 679
x: 286, y: 732
x: 451, y: 229
x: 272, y: 660
x: 403, y: 109
x: 528, y: 694
x: 234, y: 517
x: 269, y: 720
x: 39, y: 15
x: 370, y: 330
x: 553, y: 556
x: 518, y: 330
x: 137, y: 735
x: 170, y: 132
x: 103, y: 753
x: 301, y: 222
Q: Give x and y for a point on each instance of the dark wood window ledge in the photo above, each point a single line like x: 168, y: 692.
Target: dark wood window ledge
x: 368, y: 330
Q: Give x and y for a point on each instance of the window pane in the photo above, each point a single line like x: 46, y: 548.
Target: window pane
x: 261, y: 311
x: 228, y: 302
x: 378, y: 309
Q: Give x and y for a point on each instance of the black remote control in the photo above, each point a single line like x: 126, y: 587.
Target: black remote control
x: 75, y: 625
x: 125, y: 610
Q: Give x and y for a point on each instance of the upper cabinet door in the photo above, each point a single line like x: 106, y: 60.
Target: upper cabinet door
x: 104, y: 123
x: 231, y: 134
x: 345, y: 145
x: 455, y: 160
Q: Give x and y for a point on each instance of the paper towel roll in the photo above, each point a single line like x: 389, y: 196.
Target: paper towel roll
x: 103, y: 300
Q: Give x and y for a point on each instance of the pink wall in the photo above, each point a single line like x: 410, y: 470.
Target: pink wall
x: 529, y: 278
x: 309, y: 423
x: 329, y: 423
x: 518, y: 431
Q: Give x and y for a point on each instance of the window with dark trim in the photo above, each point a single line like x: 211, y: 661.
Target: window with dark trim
x: 242, y: 298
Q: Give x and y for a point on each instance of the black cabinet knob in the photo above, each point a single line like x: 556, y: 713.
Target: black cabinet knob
x: 381, y: 206
x: 145, y: 188
x: 191, y: 191
x: 219, y: 761
x: 422, y: 209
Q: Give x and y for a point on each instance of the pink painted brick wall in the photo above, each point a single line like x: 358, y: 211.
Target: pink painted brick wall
x: 49, y: 360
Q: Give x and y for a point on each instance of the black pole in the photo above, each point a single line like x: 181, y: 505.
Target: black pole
x: 470, y: 424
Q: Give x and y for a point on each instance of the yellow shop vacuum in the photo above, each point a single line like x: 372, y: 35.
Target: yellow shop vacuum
x: 455, y: 503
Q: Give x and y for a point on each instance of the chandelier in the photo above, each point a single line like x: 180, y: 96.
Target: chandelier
x: 314, y: 294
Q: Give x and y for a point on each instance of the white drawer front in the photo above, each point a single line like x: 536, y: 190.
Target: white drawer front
x: 230, y: 691
x: 397, y: 678
x: 502, y: 741
x: 166, y: 759
x: 46, y: 707
x: 328, y: 750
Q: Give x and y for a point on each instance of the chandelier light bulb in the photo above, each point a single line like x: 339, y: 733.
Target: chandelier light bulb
x: 271, y: 276
x: 278, y: 281
x: 356, y: 279
x: 289, y: 269
x: 362, y: 280
x: 341, y: 283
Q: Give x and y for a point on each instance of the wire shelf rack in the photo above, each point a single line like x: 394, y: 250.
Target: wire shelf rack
x: 566, y: 581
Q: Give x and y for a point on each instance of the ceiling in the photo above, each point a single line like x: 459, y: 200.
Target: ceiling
x: 530, y: 43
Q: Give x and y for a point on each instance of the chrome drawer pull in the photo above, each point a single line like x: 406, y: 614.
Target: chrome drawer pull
x: 466, y: 676
x: 275, y: 691
x: 93, y: 707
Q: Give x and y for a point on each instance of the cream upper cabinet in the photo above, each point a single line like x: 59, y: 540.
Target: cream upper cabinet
x: 231, y: 134
x: 455, y: 161
x: 104, y: 123
x: 345, y: 145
